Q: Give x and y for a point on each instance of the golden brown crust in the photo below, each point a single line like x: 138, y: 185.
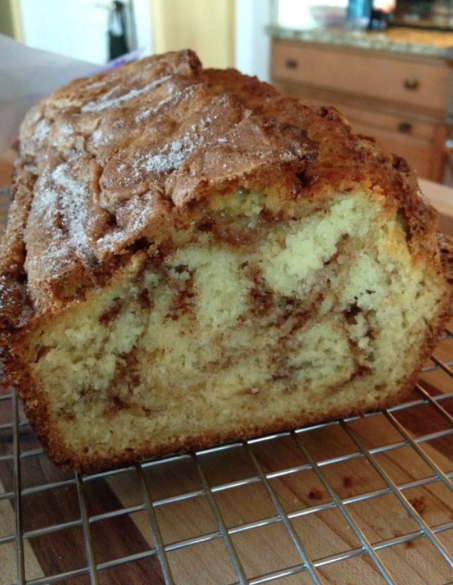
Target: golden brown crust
x: 446, y: 255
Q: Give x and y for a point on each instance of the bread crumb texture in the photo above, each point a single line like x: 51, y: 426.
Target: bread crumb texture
x: 304, y: 322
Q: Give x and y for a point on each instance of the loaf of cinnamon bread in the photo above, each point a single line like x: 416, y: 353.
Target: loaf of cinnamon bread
x: 193, y: 258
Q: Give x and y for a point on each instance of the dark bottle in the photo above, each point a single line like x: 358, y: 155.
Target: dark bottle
x: 379, y: 20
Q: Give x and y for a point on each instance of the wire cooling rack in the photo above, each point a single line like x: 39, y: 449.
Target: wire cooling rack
x: 361, y: 501
x: 358, y: 501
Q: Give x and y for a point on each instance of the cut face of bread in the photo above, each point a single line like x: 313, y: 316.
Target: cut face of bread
x: 213, y: 341
x: 193, y: 258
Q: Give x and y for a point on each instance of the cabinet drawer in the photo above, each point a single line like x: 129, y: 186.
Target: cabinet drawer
x: 403, y: 125
x: 420, y: 83
x: 420, y: 143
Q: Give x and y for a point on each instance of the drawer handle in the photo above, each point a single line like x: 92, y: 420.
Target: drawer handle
x: 412, y: 84
x: 291, y: 64
x: 405, y: 127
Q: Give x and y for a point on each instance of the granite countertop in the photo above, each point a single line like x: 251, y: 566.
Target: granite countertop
x: 396, y: 40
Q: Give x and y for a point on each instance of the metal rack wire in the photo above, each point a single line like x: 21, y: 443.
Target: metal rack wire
x: 19, y: 458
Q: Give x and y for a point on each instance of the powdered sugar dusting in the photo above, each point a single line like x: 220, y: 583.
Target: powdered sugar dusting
x: 98, y: 138
x: 106, y: 102
x: 73, y: 207
x: 45, y: 201
x: 174, y: 96
x: 42, y: 130
x: 61, y: 211
x: 66, y: 129
x: 56, y: 259
x: 140, y: 211
x: 170, y: 158
x: 45, y: 213
x: 151, y: 111
x: 95, y: 85
x: 145, y: 114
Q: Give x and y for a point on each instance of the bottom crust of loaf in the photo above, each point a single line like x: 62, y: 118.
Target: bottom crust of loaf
x: 323, y: 316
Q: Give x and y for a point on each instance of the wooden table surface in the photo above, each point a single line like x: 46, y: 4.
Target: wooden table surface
x: 120, y: 524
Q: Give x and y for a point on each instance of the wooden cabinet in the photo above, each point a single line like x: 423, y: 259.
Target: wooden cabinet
x: 401, y: 101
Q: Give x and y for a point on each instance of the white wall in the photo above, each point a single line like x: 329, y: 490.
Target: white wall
x: 252, y: 42
x: 143, y: 26
x: 78, y: 28
x: 73, y: 29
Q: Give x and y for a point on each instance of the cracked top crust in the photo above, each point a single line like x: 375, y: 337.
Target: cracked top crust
x: 111, y: 164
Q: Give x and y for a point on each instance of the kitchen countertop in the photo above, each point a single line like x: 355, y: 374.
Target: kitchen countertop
x: 404, y: 41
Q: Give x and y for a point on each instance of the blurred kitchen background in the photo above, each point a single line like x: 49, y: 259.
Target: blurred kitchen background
x: 387, y: 65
